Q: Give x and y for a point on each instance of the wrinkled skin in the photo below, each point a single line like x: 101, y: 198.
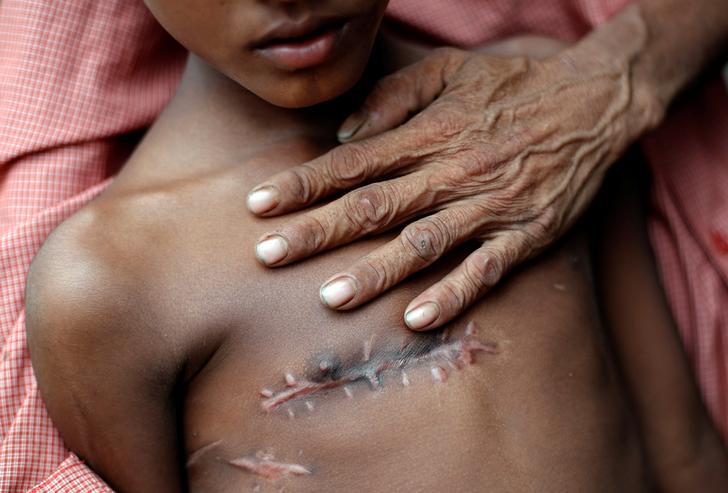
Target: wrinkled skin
x: 507, y: 151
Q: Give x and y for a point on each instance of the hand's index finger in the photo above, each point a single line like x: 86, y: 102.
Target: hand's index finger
x: 339, y: 169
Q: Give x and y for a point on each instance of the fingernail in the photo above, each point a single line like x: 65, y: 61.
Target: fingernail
x: 338, y: 292
x: 272, y: 250
x: 350, y: 127
x: 422, y: 316
x: 262, y: 200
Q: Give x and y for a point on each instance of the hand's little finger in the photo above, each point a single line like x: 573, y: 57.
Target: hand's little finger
x: 478, y: 273
x: 417, y: 246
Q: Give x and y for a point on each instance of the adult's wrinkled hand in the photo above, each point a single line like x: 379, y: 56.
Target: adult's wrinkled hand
x: 508, y: 151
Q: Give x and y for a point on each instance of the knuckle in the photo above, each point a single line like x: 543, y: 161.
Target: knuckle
x: 442, y: 186
x: 456, y: 296
x: 477, y: 167
x: 310, y: 234
x: 299, y: 184
x: 348, y: 164
x: 536, y: 231
x: 542, y: 229
x: 376, y: 273
x: 370, y: 208
x: 447, y: 57
x: 443, y: 124
x: 451, y: 180
x: 426, y: 239
x: 484, y: 269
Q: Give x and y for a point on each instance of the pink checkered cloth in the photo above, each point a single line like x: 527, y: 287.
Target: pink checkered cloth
x: 77, y: 77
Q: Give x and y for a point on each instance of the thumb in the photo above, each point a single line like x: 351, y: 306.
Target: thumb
x: 398, y: 96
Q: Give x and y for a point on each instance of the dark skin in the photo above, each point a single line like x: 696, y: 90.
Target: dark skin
x: 152, y: 330
x: 206, y: 322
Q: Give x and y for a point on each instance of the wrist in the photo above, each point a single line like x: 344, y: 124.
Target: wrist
x: 617, y: 49
x: 662, y: 45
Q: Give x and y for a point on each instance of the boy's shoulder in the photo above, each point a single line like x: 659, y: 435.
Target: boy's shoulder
x: 119, y: 274
x: 88, y: 285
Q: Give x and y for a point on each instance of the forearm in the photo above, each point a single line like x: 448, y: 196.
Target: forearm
x: 682, y: 38
x: 663, y: 44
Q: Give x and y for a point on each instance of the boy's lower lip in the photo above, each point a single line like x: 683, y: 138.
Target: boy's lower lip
x: 303, y: 53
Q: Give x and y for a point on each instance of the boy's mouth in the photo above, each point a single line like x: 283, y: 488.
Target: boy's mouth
x: 296, y: 46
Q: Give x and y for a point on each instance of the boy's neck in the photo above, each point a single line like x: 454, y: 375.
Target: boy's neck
x: 203, y: 84
x: 214, y: 123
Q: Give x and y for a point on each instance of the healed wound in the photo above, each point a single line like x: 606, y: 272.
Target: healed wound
x: 437, y: 350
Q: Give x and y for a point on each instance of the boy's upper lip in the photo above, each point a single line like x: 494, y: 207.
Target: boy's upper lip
x: 289, y: 29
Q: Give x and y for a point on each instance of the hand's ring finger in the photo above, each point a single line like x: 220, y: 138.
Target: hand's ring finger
x: 417, y: 246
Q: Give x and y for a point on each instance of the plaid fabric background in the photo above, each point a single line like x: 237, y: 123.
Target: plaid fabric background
x: 77, y: 77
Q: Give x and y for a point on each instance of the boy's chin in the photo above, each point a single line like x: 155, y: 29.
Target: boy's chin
x: 306, y: 90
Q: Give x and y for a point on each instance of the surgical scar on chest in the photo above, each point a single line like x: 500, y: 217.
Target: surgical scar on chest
x: 438, y: 351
